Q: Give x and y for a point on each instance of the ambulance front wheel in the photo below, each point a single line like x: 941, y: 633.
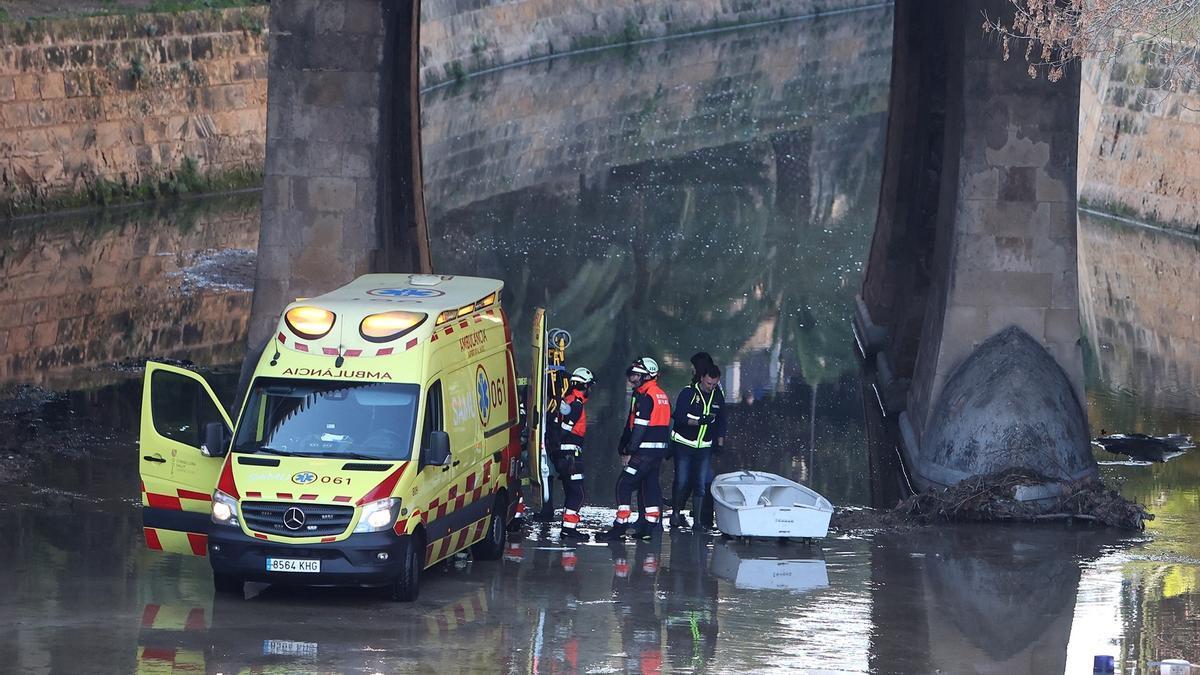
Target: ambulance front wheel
x: 406, y: 587
x: 228, y: 584
x: 491, y: 547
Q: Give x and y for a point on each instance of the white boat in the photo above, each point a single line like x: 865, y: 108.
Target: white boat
x: 760, y: 504
x: 767, y: 567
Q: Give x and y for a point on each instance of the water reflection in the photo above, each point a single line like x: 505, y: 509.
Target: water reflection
x: 1141, y: 314
x: 89, y: 289
x: 995, y: 599
x: 721, y: 199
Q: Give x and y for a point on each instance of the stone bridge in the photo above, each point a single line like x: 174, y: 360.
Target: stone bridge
x: 968, y: 311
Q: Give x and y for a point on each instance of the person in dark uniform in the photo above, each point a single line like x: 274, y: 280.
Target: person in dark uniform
x: 568, y: 458
x: 699, y: 417
x: 642, y: 449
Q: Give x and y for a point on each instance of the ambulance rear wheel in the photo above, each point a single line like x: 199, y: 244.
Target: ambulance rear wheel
x: 224, y: 583
x: 491, y: 547
x: 407, y: 586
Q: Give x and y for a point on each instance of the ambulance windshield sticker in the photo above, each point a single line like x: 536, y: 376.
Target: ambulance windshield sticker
x: 406, y: 293
x: 482, y: 388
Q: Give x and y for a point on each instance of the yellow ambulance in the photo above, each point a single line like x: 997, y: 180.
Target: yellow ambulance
x: 378, y: 435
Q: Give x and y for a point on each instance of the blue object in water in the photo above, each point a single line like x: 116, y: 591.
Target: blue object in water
x: 1103, y: 664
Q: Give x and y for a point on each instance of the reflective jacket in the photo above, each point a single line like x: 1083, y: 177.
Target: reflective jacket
x: 693, y: 405
x: 649, y: 424
x: 573, y: 421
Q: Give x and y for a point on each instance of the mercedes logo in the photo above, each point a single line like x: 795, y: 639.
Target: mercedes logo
x: 293, y: 518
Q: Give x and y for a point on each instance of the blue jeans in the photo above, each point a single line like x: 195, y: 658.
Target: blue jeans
x: 692, y: 469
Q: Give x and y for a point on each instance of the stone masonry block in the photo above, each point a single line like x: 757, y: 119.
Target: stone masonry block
x: 964, y: 322
x: 988, y: 288
x: 363, y: 16
x: 979, y: 183
x: 52, y: 86
x: 1014, y: 254
x: 27, y: 86
x: 321, y: 194
x: 1018, y: 184
x: 1062, y: 325
x: 330, y: 17
x: 1029, y: 319
x: 1050, y: 189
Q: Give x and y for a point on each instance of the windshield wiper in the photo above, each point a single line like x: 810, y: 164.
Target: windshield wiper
x: 272, y: 451
x: 347, y: 455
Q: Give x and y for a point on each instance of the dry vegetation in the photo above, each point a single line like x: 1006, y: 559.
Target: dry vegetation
x: 1052, y: 34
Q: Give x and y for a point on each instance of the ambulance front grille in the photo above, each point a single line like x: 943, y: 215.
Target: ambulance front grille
x: 320, y: 520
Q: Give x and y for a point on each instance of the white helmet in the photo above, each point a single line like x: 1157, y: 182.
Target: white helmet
x: 582, y: 376
x: 645, y: 366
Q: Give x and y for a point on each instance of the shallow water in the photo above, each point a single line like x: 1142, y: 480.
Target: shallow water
x: 720, y: 198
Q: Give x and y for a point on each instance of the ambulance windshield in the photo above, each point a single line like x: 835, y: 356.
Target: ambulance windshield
x: 318, y: 418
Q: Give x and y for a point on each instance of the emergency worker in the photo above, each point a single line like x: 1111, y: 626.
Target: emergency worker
x: 699, y: 416
x: 642, y: 448
x: 568, y: 458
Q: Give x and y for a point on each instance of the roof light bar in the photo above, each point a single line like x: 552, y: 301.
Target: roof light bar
x: 309, y: 323
x: 388, y: 326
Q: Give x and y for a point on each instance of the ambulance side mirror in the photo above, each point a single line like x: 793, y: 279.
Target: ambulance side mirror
x: 216, y: 440
x: 439, y: 449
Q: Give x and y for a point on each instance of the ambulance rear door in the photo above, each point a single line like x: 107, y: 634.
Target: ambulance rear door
x: 178, y: 478
x: 536, y: 471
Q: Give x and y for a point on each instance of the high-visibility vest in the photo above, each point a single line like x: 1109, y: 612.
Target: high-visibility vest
x: 577, y: 430
x: 681, y: 435
x: 659, y: 423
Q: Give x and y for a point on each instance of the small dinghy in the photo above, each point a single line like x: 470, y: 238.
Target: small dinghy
x: 760, y: 504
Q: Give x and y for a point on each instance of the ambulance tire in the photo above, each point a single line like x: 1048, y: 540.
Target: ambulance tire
x: 229, y: 585
x: 491, y: 547
x: 407, y: 586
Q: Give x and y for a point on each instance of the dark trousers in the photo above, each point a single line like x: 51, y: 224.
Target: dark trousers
x: 570, y: 471
x: 692, y: 468
x: 641, y: 474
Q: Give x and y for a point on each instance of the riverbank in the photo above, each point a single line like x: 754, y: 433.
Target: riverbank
x: 129, y: 107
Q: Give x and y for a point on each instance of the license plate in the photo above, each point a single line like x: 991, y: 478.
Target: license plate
x: 288, y: 565
x: 288, y: 648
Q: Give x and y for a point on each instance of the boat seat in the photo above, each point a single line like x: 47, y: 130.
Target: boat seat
x: 742, y: 495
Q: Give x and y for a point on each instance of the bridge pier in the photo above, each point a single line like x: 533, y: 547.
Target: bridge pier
x: 343, y: 190
x: 970, y: 301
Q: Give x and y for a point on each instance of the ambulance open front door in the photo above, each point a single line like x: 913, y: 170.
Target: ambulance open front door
x: 177, y: 477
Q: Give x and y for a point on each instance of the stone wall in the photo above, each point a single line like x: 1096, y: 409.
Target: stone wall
x: 460, y: 36
x: 129, y: 100
x: 1138, y: 143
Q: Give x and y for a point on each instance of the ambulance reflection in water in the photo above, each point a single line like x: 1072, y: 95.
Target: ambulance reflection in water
x: 276, y: 631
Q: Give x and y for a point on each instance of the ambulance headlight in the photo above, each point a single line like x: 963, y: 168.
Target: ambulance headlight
x: 224, y: 509
x: 378, y: 515
x: 388, y: 326
x: 309, y: 323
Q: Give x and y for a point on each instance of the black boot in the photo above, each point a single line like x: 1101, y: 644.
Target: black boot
x: 615, y: 533
x: 678, y: 522
x: 645, y: 529
x: 572, y: 533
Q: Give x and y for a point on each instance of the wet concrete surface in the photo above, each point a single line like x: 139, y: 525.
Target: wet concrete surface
x: 777, y: 217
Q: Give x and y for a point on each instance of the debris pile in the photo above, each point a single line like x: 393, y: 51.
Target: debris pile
x: 991, y: 497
